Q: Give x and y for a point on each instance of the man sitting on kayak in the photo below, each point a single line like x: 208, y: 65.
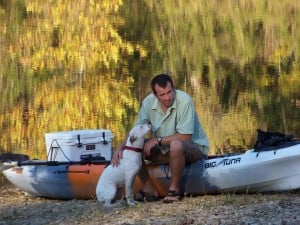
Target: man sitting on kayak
x: 179, y: 138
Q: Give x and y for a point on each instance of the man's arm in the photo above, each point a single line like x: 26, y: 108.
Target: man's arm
x: 183, y: 137
x: 118, y: 153
x: 166, y: 140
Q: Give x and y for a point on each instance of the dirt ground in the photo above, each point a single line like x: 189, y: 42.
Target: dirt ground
x: 18, y: 208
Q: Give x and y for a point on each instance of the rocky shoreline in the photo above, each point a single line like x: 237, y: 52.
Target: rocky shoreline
x: 18, y: 208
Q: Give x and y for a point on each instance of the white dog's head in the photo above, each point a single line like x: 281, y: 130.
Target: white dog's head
x: 137, y: 135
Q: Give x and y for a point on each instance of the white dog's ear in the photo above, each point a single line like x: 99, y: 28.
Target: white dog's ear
x: 132, y: 139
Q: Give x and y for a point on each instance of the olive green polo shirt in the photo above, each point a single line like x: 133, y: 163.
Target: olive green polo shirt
x: 181, y: 118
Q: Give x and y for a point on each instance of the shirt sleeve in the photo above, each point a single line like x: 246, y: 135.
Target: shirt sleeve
x: 143, y: 115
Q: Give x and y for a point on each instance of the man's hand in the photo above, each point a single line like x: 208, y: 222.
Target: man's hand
x: 149, y: 145
x: 118, y: 154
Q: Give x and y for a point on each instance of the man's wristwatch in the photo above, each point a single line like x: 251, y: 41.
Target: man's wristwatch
x: 159, y: 140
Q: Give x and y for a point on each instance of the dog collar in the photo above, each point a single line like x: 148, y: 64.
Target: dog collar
x: 133, y: 149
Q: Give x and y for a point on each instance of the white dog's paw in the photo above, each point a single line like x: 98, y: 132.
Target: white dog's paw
x: 131, y: 202
x: 121, y: 203
x: 112, y: 205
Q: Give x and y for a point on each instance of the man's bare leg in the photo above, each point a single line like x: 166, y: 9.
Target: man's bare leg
x: 177, y: 163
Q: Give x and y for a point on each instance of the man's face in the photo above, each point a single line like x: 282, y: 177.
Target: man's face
x: 165, y: 95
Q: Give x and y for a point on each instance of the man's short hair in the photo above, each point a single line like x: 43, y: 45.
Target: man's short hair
x: 162, y: 81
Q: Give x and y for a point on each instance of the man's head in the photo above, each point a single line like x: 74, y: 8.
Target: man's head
x: 163, y: 88
x: 162, y: 81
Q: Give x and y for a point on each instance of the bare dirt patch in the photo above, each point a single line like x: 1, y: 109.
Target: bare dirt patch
x: 16, y: 207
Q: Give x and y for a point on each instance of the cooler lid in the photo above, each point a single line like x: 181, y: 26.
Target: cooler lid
x: 73, y: 134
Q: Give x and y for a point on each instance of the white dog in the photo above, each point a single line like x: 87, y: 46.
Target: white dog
x: 123, y: 175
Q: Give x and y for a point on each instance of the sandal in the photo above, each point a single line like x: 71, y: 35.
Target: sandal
x: 145, y: 197
x: 171, y: 197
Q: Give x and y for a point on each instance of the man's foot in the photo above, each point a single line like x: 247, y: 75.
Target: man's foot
x: 171, y: 197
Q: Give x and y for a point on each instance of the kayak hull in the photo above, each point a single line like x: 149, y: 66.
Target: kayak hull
x: 265, y: 171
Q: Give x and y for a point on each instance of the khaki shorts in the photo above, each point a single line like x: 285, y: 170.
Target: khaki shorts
x: 192, y: 153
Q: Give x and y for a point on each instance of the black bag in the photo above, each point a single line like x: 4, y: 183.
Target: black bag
x: 273, y: 140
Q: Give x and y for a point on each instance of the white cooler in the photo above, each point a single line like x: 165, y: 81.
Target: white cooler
x: 77, y: 145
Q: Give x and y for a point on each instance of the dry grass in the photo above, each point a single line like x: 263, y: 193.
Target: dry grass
x: 282, y: 208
